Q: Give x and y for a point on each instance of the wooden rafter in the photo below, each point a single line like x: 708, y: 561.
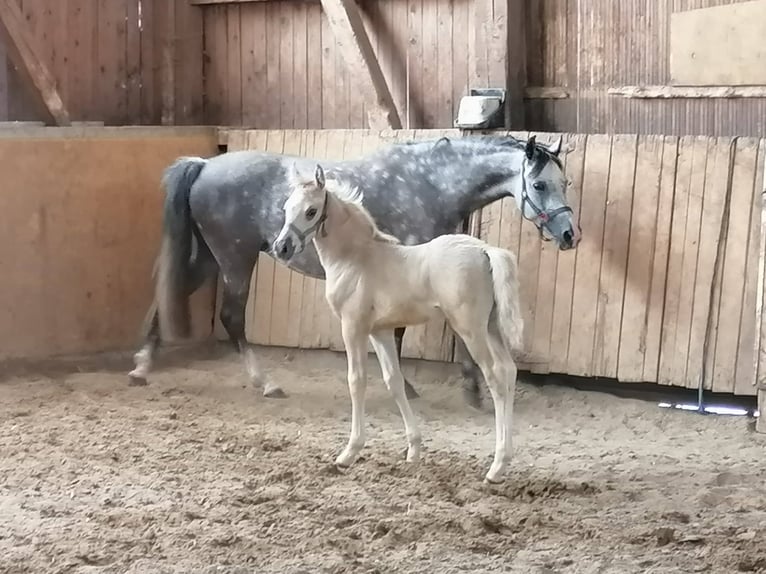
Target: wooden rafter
x: 33, y: 72
x: 346, y: 24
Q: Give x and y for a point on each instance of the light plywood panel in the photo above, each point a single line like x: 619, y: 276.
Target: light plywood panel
x: 719, y: 46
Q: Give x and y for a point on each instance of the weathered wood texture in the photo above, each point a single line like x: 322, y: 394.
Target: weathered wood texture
x: 661, y: 289
x: 273, y: 65
x: 587, y: 47
x: 86, y: 209
x: 116, y: 61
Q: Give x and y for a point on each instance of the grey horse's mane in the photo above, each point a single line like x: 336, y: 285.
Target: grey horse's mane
x: 351, y: 197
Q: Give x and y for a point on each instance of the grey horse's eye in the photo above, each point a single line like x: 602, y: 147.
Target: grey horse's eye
x: 539, y: 185
x: 311, y: 212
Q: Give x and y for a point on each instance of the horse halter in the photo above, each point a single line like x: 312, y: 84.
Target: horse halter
x: 302, y: 235
x: 544, y: 217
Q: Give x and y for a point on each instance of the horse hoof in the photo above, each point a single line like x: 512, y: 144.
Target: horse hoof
x: 472, y: 399
x: 409, y: 391
x: 136, y: 380
x: 274, y: 393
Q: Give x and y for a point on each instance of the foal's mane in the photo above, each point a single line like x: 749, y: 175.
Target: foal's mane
x: 351, y: 197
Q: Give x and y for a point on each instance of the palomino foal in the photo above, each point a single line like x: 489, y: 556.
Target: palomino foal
x: 374, y: 284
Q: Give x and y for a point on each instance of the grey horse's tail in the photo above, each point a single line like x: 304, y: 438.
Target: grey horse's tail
x: 505, y: 282
x: 172, y: 268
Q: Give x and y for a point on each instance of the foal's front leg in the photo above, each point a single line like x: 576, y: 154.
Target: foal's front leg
x: 355, y: 341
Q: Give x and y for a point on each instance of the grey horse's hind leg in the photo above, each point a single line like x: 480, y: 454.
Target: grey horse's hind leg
x: 409, y: 390
x: 236, y: 287
x: 471, y: 374
x: 202, y: 268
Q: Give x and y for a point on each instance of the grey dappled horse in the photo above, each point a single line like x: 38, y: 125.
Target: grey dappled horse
x: 220, y: 213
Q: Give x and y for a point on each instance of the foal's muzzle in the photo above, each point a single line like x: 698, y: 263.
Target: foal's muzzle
x: 284, y: 248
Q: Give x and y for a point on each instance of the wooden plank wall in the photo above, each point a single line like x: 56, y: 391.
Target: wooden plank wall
x: 276, y: 65
x: 113, y: 60
x: 668, y: 260
x: 86, y: 208
x: 584, y: 47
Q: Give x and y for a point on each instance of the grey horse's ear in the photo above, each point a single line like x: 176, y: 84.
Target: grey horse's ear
x: 530, y: 148
x: 319, y: 177
x: 555, y: 147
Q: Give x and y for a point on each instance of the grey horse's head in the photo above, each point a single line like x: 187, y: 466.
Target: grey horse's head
x: 541, y: 194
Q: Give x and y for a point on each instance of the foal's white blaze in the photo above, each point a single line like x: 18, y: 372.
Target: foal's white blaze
x: 375, y: 284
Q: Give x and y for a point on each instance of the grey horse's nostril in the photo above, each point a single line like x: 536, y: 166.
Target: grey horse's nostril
x: 568, y: 237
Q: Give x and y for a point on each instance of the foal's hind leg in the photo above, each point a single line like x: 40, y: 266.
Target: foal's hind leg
x: 385, y: 349
x: 499, y: 371
x: 236, y: 287
x: 408, y: 388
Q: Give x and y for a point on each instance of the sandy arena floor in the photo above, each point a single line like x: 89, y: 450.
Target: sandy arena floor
x: 197, y: 473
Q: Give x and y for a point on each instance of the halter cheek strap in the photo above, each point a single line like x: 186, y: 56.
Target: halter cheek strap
x: 543, y: 217
x: 302, y: 235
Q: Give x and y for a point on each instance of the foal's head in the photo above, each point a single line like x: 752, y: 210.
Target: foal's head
x: 542, y: 198
x: 306, y: 211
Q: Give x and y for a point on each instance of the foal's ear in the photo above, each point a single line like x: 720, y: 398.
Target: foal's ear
x: 292, y: 173
x: 555, y: 147
x: 530, y: 148
x: 319, y: 177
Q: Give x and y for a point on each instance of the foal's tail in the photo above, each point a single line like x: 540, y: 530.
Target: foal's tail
x: 505, y: 283
x: 172, y: 267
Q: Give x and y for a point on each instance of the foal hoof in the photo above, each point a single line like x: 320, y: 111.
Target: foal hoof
x: 274, y: 392
x: 136, y: 380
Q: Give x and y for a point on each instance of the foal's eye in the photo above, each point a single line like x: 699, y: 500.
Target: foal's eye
x: 539, y: 185
x: 311, y: 212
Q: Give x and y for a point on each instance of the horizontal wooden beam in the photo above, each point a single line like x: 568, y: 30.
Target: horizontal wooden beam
x: 545, y: 93
x: 667, y: 92
x: 208, y: 2
x: 33, y: 72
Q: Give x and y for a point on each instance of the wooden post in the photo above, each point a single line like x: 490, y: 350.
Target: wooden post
x: 760, y: 423
x: 347, y: 26
x: 760, y: 357
x: 516, y: 82
x: 33, y: 72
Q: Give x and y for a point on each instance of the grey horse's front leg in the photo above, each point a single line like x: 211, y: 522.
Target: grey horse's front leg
x: 409, y: 390
x: 471, y: 374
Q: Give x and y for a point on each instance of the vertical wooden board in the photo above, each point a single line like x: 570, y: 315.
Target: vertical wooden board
x: 233, y: 67
x: 300, y: 64
x: 314, y: 70
x: 322, y: 312
x: 283, y: 320
x: 260, y: 299
x: 274, y: 87
x: 148, y: 115
x: 588, y: 260
x: 327, y: 71
x: 545, y: 294
x: 430, y: 73
x: 110, y: 94
x: 286, y: 69
x: 704, y: 322
x: 673, y: 296
x: 216, y: 66
x: 81, y: 49
x: 306, y: 312
x: 253, y: 33
x: 643, y: 224
x: 341, y: 88
x: 189, y: 68
x: 294, y: 144
x: 730, y: 313
x: 444, y: 71
x: 133, y: 64
x: 614, y: 256
x: 565, y: 265
x: 460, y: 54
x: 529, y: 268
x: 750, y: 340
x: 415, y: 64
